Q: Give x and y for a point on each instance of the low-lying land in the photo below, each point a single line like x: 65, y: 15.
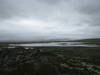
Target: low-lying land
x: 50, y: 61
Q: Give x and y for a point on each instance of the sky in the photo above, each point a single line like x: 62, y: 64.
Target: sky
x: 49, y: 19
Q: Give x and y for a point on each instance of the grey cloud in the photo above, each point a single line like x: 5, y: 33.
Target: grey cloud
x: 40, y: 19
x: 91, y: 9
x: 51, y: 2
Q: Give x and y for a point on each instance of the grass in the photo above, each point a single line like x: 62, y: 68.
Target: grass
x: 51, y: 61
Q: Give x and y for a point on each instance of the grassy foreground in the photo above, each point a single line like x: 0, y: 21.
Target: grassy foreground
x: 50, y: 61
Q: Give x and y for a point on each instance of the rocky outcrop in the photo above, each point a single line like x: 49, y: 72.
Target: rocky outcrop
x: 8, y: 56
x: 31, y: 61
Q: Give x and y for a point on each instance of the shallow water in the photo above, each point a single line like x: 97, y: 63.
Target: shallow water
x: 59, y: 44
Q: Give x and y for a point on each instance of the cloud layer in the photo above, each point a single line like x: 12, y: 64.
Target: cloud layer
x: 46, y: 19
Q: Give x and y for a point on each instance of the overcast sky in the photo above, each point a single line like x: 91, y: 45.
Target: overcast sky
x: 46, y: 19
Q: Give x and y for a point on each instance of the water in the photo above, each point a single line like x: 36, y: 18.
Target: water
x: 59, y: 44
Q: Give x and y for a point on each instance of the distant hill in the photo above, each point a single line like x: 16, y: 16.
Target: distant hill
x: 53, y: 40
x: 89, y: 40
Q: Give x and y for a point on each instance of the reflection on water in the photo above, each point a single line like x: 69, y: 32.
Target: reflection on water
x: 62, y: 44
